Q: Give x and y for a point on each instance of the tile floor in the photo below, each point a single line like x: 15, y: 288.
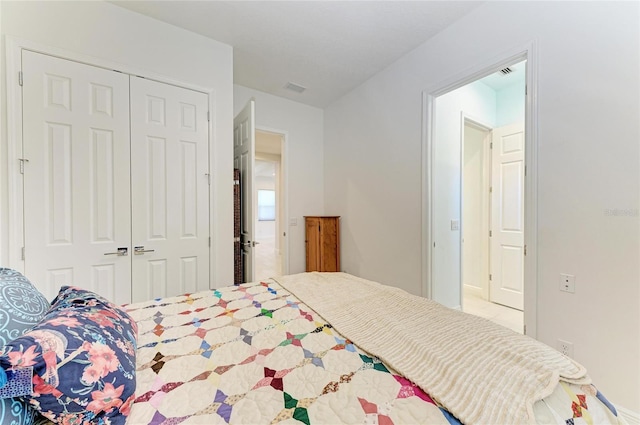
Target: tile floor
x: 268, y: 263
x: 505, y: 316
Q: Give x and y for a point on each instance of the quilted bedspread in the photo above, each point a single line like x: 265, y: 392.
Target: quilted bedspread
x: 255, y: 354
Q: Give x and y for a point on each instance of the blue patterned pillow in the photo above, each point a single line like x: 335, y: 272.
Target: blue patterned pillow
x: 21, y: 307
x: 83, y: 356
x: 14, y: 411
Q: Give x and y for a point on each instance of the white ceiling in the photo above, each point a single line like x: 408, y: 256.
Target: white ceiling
x: 330, y: 47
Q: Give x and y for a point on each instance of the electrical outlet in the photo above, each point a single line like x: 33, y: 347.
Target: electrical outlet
x: 567, y: 283
x: 455, y: 224
x: 565, y: 347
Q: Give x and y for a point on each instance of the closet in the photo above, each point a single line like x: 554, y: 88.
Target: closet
x: 116, y: 183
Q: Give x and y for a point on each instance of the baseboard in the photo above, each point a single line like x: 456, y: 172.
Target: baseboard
x: 475, y: 290
x: 630, y: 417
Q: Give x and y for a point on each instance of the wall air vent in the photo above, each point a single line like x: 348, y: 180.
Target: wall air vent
x: 506, y: 71
x: 294, y: 87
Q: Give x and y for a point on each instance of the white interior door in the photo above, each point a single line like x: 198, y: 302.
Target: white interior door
x: 170, y: 189
x: 507, y: 217
x: 76, y: 180
x: 244, y: 143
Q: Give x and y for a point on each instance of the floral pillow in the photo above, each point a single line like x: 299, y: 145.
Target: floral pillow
x: 83, y: 358
x: 21, y: 307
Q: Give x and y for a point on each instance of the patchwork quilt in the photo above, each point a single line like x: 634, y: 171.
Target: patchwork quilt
x: 255, y: 354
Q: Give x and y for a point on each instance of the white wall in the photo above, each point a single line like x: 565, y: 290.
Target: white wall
x: 510, y: 104
x: 113, y: 34
x: 302, y: 157
x: 588, y: 169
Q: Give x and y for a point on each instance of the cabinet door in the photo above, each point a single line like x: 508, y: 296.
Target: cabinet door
x: 322, y: 243
x: 312, y: 233
x: 329, y: 240
x: 76, y: 180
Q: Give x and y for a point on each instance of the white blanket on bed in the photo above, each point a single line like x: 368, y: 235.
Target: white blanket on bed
x: 481, y: 372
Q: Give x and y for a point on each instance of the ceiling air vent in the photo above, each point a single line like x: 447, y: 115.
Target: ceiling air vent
x: 294, y: 87
x: 506, y: 71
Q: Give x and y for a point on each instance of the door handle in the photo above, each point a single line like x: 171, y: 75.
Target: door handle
x: 121, y: 252
x: 250, y: 244
x: 139, y: 250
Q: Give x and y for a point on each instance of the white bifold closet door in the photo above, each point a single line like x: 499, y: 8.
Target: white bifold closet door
x: 106, y: 174
x: 76, y: 180
x: 169, y: 189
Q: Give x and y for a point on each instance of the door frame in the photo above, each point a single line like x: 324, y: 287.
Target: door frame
x: 528, y: 52
x: 466, y: 119
x: 284, y: 188
x: 15, y: 182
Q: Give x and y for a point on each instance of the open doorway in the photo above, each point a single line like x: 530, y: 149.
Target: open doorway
x: 258, y: 229
x: 269, y: 201
x: 492, y: 242
x: 478, y: 193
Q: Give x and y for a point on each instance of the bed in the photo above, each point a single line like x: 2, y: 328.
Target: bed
x: 329, y: 348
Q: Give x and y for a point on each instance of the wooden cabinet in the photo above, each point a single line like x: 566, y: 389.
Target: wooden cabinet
x: 322, y: 240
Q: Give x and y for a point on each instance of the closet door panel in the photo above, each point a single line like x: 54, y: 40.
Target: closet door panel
x: 76, y: 180
x: 170, y: 189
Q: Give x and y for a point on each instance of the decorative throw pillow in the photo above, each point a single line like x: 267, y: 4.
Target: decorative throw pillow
x: 21, y: 307
x: 14, y: 411
x: 83, y: 358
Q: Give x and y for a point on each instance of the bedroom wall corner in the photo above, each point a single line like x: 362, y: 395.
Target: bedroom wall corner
x: 588, y: 169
